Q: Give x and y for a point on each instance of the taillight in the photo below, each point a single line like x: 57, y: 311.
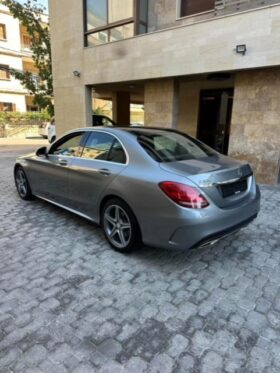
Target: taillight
x: 184, y: 195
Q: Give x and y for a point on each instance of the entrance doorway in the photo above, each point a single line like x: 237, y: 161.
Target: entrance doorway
x: 215, y: 111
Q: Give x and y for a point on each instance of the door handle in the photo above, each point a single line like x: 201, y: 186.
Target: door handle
x: 62, y: 162
x: 104, y: 171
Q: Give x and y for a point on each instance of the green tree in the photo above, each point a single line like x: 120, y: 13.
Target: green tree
x: 40, y: 86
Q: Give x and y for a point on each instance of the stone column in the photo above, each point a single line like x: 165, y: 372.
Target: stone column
x: 161, y: 103
x: 121, y: 108
x: 255, y: 128
x: 73, y: 108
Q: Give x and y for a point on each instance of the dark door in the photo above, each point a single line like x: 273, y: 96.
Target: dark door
x: 215, y: 111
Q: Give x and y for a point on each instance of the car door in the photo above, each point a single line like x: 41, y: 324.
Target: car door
x: 49, y: 176
x: 102, y: 159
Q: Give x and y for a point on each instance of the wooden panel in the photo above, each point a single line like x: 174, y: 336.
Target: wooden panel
x: 4, y: 72
x: 3, y: 35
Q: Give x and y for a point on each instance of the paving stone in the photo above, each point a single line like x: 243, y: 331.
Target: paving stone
x: 200, y: 341
x: 147, y: 342
x: 258, y: 361
x: 84, y: 368
x: 274, y: 319
x: 161, y: 364
x: 51, y: 367
x: 111, y: 367
x: 246, y: 340
x: 223, y: 340
x: 256, y: 321
x: 178, y: 344
x: 68, y: 303
x: 110, y: 348
x: 9, y: 357
x: 263, y: 305
x: 186, y: 364
x: 211, y: 363
x: 35, y: 354
x: 135, y: 365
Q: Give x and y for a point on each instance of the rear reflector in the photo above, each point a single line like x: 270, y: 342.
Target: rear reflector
x: 184, y: 195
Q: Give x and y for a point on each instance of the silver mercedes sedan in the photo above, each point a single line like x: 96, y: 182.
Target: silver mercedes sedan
x: 143, y: 186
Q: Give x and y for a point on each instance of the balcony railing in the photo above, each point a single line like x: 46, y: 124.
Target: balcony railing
x: 232, y: 6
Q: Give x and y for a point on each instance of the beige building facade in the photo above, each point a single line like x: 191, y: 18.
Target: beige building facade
x: 15, y: 54
x: 208, y: 68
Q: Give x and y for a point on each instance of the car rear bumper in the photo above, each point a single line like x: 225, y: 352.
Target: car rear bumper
x: 210, y: 240
x: 197, y: 228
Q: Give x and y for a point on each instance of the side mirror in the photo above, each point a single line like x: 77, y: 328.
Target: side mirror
x: 42, y: 152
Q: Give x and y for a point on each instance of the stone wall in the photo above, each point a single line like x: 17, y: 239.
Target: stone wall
x: 200, y: 48
x: 161, y: 103
x: 162, y: 14
x: 19, y: 131
x: 182, y: 51
x: 255, y: 128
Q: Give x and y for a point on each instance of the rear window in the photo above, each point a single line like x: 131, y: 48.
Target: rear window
x: 172, y: 146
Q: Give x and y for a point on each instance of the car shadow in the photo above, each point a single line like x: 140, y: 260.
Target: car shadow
x: 166, y: 259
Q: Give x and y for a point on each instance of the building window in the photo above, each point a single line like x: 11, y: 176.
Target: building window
x: 7, y: 106
x: 3, y: 35
x: 142, y: 17
x: 112, y: 20
x: 4, y: 72
x: 26, y: 41
x: 32, y: 108
x: 192, y: 7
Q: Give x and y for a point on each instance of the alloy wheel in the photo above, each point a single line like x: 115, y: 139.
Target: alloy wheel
x: 117, y: 226
x: 21, y: 182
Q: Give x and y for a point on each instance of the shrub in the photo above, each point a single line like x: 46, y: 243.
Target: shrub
x: 14, y: 117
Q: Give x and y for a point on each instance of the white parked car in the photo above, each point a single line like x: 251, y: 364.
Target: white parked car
x: 47, y: 131
x: 51, y: 131
x: 43, y: 130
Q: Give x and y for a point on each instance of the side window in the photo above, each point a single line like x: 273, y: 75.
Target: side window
x: 98, y: 146
x: 69, y: 147
x: 102, y: 146
x: 117, y: 153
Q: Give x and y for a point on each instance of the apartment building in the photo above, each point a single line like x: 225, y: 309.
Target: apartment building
x: 14, y: 54
x: 210, y: 68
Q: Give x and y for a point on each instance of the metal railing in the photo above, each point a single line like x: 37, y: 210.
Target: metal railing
x: 233, y: 6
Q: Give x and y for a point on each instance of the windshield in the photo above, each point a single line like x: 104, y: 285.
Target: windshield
x: 173, y: 146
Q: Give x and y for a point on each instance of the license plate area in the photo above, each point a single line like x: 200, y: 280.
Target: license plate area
x: 231, y: 189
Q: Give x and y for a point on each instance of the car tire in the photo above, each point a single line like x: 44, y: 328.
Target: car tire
x: 22, y: 184
x: 117, y: 216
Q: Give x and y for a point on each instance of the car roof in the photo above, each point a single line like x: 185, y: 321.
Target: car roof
x: 133, y: 130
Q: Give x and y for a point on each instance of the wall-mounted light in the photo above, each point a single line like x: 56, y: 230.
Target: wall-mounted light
x: 241, y: 49
x: 77, y: 73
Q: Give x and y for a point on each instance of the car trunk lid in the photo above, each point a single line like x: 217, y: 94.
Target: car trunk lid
x: 225, y: 181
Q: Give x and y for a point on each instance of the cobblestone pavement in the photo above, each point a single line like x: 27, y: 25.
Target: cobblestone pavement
x: 68, y: 303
